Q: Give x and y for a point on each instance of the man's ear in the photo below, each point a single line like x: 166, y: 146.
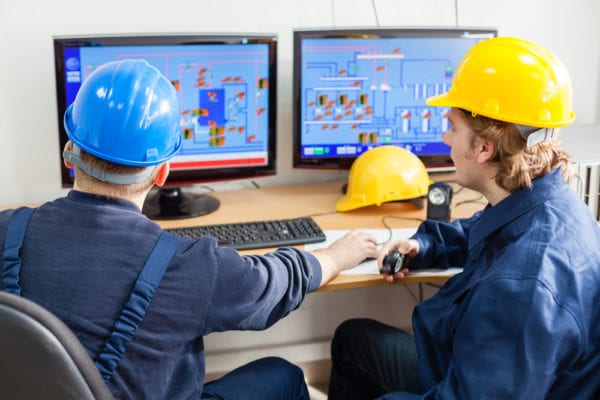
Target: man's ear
x: 486, y: 152
x: 68, y: 147
x: 163, y: 173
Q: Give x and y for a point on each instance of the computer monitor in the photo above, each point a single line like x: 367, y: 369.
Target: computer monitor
x: 227, y: 88
x: 355, y: 89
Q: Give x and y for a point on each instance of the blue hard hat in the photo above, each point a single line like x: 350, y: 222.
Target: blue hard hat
x: 126, y: 112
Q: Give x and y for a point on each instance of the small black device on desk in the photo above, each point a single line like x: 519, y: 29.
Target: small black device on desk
x: 439, y: 198
x: 258, y: 234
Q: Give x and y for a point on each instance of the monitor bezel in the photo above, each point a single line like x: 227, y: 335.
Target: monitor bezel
x: 432, y: 162
x: 176, y: 177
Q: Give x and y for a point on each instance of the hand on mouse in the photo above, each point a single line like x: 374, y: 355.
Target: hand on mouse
x: 409, y: 248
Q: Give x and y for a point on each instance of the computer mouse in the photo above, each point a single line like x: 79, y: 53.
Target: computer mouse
x: 393, y: 263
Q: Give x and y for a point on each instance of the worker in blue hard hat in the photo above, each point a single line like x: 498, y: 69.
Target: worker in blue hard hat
x: 126, y: 121
x: 140, y: 299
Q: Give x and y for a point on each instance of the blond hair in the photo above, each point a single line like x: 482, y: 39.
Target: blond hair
x: 517, y: 163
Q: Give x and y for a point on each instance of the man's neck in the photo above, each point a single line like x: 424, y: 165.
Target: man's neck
x: 488, y: 187
x: 138, y: 199
x: 496, y: 195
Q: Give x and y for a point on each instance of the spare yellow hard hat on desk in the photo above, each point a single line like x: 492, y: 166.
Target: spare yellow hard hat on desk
x: 382, y: 174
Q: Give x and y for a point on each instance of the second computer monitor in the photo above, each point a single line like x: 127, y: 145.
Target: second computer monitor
x: 355, y: 89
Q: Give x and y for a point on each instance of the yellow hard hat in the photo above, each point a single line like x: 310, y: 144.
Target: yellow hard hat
x: 382, y: 174
x: 511, y: 80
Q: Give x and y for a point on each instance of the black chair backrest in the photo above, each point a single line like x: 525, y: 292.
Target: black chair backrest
x: 40, y: 358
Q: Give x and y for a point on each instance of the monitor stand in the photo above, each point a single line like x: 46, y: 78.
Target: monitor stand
x: 174, y: 203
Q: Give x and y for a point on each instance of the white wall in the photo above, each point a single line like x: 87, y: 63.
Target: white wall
x: 29, y: 153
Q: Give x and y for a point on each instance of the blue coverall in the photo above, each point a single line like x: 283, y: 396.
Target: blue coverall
x: 82, y: 255
x: 522, y: 321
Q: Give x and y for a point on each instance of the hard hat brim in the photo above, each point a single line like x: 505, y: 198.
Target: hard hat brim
x: 440, y: 100
x: 444, y: 100
x: 346, y: 204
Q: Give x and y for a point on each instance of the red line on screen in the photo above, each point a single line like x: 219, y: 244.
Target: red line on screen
x: 218, y: 163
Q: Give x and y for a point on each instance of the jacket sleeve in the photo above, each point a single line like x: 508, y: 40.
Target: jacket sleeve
x: 252, y: 292
x: 442, y: 244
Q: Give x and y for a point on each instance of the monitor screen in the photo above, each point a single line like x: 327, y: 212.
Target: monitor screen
x: 355, y: 89
x: 227, y: 87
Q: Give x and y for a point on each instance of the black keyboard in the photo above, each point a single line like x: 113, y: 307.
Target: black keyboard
x: 258, y: 234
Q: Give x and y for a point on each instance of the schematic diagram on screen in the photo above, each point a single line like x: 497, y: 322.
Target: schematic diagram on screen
x: 224, y: 99
x: 372, y: 91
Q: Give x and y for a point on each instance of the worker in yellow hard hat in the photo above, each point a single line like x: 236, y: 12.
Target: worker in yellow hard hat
x: 520, y: 321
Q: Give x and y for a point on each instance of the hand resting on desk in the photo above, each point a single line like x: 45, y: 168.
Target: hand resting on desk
x: 346, y: 252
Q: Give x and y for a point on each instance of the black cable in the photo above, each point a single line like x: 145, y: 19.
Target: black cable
x: 398, y: 217
x: 415, y: 298
x: 333, y: 13
x: 375, y: 12
x: 456, y: 13
x: 319, y: 214
x: 579, y: 184
x: 389, y: 228
x: 210, y: 189
x: 473, y: 200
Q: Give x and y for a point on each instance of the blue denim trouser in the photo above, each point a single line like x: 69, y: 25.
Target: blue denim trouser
x: 269, y: 378
x: 370, y: 359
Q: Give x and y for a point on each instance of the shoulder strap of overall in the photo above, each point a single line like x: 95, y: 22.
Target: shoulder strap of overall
x: 11, y: 256
x: 134, y: 310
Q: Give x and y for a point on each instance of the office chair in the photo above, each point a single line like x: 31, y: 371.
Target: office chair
x: 40, y: 358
